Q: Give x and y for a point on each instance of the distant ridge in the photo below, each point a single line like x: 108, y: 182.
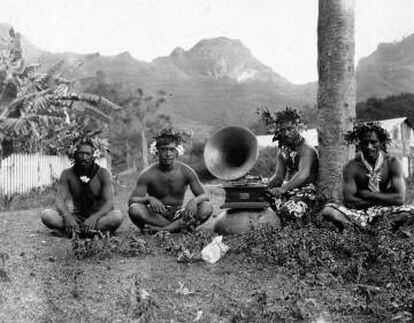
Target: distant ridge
x: 218, y: 81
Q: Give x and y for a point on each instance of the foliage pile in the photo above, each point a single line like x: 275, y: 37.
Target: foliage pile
x: 186, y: 247
x: 377, y: 261
x: 101, y: 246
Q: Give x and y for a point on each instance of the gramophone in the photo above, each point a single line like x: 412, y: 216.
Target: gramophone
x: 229, y: 155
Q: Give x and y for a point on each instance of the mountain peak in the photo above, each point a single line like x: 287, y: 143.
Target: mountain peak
x: 219, y: 57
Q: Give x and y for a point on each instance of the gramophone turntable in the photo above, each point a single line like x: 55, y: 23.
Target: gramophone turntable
x: 229, y: 154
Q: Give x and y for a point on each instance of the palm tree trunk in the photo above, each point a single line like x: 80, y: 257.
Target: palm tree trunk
x: 144, y: 148
x: 127, y: 148
x: 336, y: 91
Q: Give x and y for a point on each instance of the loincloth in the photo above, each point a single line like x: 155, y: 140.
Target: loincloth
x: 362, y: 217
x: 296, y: 201
x: 175, y: 213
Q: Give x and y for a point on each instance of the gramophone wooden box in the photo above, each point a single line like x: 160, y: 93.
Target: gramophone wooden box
x: 229, y: 154
x: 244, y: 196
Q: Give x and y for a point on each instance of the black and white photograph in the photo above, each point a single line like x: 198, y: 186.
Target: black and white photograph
x: 206, y: 161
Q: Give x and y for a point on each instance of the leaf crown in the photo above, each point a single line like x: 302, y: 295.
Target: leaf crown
x: 276, y: 118
x: 360, y: 128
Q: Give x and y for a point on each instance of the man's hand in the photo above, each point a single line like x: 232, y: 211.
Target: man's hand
x: 277, y: 191
x: 90, y: 223
x: 156, y: 205
x: 70, y: 224
x: 191, y: 207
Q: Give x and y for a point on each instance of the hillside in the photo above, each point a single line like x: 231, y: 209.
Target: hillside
x: 218, y: 81
x: 389, y: 70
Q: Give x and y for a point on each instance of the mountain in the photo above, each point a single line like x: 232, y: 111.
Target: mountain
x: 216, y: 82
x: 389, y: 70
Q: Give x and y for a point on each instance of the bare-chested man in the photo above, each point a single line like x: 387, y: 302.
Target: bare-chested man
x: 156, y: 204
x: 293, y: 183
x: 373, y: 182
x: 91, y: 189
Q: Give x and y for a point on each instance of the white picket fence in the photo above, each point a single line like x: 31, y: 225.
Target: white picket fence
x: 22, y: 173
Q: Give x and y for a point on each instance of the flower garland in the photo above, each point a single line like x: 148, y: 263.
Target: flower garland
x: 176, y: 136
x: 154, y: 151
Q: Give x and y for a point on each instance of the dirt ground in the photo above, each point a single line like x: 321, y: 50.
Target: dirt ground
x: 47, y: 283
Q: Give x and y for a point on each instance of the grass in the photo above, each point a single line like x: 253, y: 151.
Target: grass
x: 146, y: 278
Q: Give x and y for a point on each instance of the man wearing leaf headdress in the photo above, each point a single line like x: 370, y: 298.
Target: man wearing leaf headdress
x: 91, y: 189
x: 156, y: 204
x: 293, y: 183
x: 373, y: 183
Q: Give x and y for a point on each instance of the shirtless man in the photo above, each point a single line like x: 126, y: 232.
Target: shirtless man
x: 156, y: 203
x: 293, y: 183
x: 373, y: 182
x: 90, y: 187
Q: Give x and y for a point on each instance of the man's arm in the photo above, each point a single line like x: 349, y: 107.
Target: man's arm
x: 350, y: 190
x: 307, y: 158
x: 396, y: 194
x: 196, y: 187
x: 139, y: 194
x: 277, y: 179
x: 63, y: 194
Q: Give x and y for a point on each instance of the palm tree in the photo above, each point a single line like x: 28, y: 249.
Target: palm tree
x: 336, y: 92
x: 37, y: 108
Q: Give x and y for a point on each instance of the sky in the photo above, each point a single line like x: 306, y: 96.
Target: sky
x: 280, y: 33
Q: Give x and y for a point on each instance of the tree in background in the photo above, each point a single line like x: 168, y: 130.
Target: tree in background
x: 142, y: 115
x: 395, y: 106
x: 336, y: 91
x: 140, y: 118
x: 38, y: 111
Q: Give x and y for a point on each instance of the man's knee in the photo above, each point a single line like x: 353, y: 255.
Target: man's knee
x: 137, y: 211
x: 51, y: 218
x: 205, y: 210
x: 139, y: 214
x: 111, y: 221
x: 116, y: 217
x: 331, y: 214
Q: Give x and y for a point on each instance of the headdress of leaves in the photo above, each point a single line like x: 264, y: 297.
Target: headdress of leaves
x: 360, y: 128
x: 177, y: 136
x: 287, y: 115
x: 100, y: 145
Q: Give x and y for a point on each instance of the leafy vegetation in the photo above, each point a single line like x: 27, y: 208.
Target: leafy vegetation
x: 40, y: 110
x: 141, y: 117
x: 395, y: 106
x: 377, y: 263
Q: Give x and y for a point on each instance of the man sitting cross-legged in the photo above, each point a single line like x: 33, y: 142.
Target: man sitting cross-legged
x: 291, y: 188
x: 373, y: 184
x: 156, y: 203
x: 294, y: 180
x: 90, y: 187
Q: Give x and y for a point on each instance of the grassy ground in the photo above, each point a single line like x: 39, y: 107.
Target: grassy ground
x: 44, y: 281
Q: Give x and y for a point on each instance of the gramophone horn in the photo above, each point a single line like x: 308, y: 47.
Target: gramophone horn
x: 231, y: 152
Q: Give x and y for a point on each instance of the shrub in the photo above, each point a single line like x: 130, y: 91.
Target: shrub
x: 378, y: 261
